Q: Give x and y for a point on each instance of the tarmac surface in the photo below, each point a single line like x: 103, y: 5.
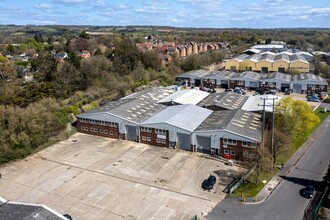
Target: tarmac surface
x: 91, y: 177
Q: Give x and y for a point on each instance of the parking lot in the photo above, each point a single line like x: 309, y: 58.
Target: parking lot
x: 91, y: 177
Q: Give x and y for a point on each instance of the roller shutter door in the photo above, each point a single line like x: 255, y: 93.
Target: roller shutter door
x: 131, y: 132
x: 204, y: 144
x: 184, y: 141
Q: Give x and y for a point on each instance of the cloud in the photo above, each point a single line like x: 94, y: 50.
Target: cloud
x: 70, y: 2
x: 43, y: 6
x: 205, y: 5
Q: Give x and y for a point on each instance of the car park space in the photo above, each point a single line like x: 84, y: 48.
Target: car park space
x: 91, y: 177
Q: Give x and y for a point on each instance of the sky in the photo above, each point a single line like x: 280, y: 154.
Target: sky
x: 177, y: 13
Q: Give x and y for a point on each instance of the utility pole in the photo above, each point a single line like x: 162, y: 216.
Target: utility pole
x: 273, y: 125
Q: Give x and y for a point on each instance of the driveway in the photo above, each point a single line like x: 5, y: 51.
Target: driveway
x: 92, y: 177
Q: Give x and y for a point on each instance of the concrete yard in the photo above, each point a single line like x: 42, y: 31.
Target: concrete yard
x: 91, y: 177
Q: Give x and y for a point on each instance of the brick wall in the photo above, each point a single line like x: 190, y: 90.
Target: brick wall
x: 151, y: 138
x: 96, y: 129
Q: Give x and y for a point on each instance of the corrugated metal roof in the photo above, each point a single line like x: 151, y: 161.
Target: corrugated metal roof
x: 248, y: 75
x: 309, y: 77
x: 136, y: 108
x: 189, y: 96
x: 276, y: 76
x: 187, y: 117
x: 225, y: 100
x: 237, y: 121
x: 194, y: 73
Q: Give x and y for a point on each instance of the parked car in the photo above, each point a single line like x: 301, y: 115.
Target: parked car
x: 209, y: 182
x: 308, y: 191
x: 239, y: 91
x: 209, y: 90
x: 229, y: 90
x: 313, y: 98
x: 287, y: 92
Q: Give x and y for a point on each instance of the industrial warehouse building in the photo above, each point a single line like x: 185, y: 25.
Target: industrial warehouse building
x: 269, y: 62
x: 299, y: 83
x: 192, y: 120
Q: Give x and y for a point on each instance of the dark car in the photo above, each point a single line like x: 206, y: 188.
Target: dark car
x: 308, y: 191
x: 209, y: 182
x: 229, y: 90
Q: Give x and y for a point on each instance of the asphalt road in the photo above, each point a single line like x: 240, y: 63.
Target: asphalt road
x: 285, y: 202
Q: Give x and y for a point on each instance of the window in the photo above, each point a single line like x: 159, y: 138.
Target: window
x: 160, y: 131
x: 101, y: 131
x: 264, y: 69
x: 233, y: 68
x: 226, y: 151
x: 229, y: 141
x: 158, y: 141
x: 95, y: 130
x: 245, y: 154
x: 232, y: 152
x: 83, y: 120
x: 248, y: 144
x: 240, y: 82
x: 248, y: 68
x: 111, y: 124
x: 148, y: 139
x: 252, y: 155
x: 145, y: 129
x: 144, y: 138
x: 281, y: 69
x: 105, y: 132
x: 163, y: 141
x: 111, y: 132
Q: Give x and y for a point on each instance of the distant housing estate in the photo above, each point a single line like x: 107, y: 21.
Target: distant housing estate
x: 182, y: 50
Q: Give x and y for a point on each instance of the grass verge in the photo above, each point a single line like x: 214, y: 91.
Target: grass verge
x: 252, y: 185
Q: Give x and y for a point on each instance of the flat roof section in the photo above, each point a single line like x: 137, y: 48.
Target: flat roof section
x: 255, y: 103
x: 182, y: 97
x: 187, y: 117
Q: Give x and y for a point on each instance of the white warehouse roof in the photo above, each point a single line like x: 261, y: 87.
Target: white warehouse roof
x: 189, y: 96
x: 255, y: 103
x: 186, y: 117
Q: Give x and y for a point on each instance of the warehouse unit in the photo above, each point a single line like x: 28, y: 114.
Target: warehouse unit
x: 245, y: 80
x: 176, y: 124
x: 120, y: 119
x: 275, y: 80
x: 192, y: 78
x: 232, y: 134
x: 309, y: 83
x: 218, y: 79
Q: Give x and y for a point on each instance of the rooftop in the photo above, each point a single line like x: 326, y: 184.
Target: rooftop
x: 14, y: 210
x: 189, y: 96
x: 310, y: 77
x: 255, y: 103
x: 225, y: 100
x: 247, y: 74
x: 136, y: 107
x: 187, y: 117
x: 276, y: 75
x: 237, y: 121
x: 194, y: 73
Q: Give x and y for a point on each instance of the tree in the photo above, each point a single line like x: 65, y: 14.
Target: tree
x: 126, y: 57
x: 295, y: 117
x: 268, y: 41
x: 44, y: 67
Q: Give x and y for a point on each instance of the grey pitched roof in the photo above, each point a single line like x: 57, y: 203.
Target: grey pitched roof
x: 276, y: 75
x: 188, y: 96
x: 219, y: 74
x: 187, y: 117
x: 248, y: 75
x: 226, y: 100
x: 194, y: 73
x: 297, y: 57
x: 13, y: 211
x: 136, y: 107
x: 282, y: 57
x: 309, y: 77
x: 237, y: 121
